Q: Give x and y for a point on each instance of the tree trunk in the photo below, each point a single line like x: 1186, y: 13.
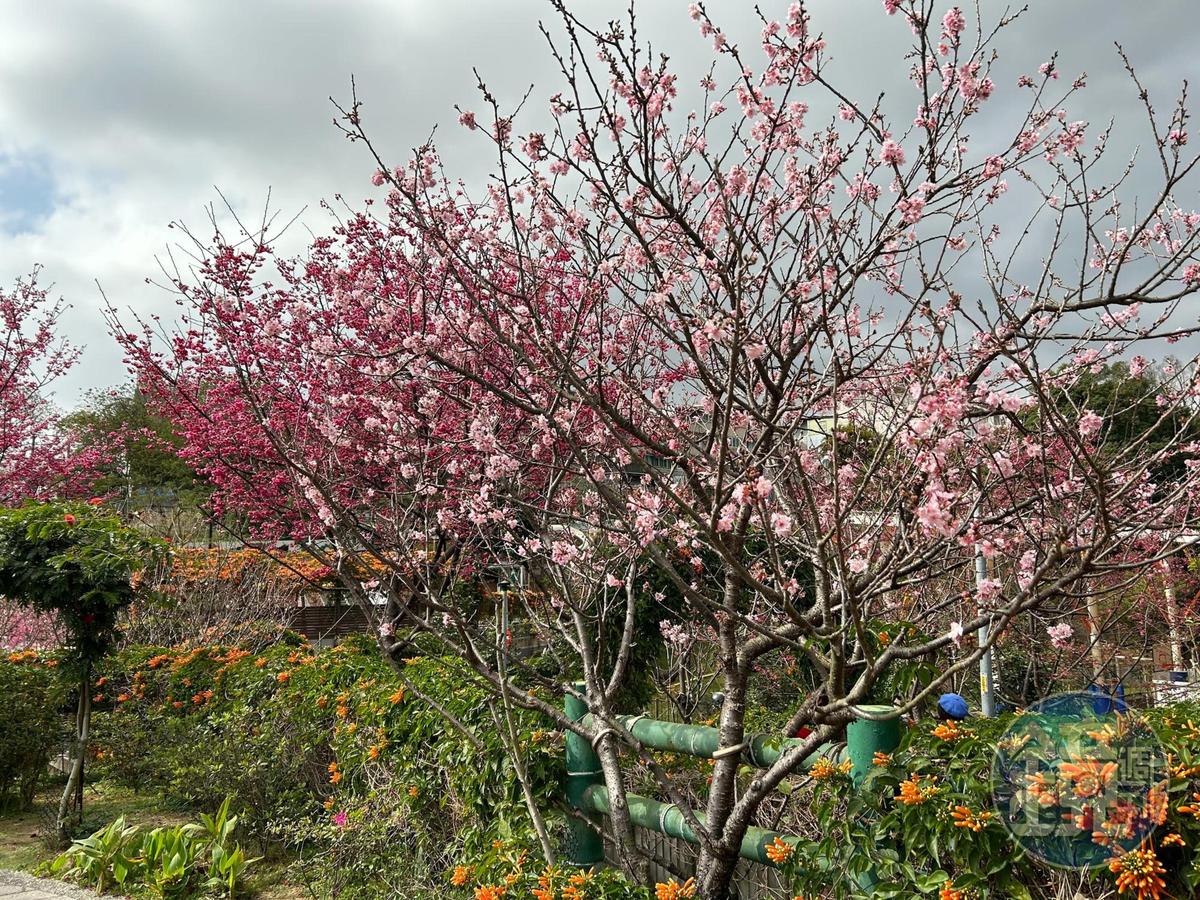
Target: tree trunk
x: 512, y: 745
x: 73, y: 791
x: 714, y: 871
x: 633, y: 863
x: 714, y: 876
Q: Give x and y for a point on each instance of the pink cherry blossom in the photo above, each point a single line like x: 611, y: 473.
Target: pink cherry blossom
x: 952, y: 25
x: 732, y: 354
x: 38, y: 456
x: 1060, y: 635
x: 781, y: 525
x: 535, y: 145
x: 22, y: 629
x: 955, y: 633
x: 1026, y: 569
x: 675, y: 634
x: 736, y: 182
x: 1090, y: 423
x: 987, y: 591
x: 892, y: 153
x: 910, y: 209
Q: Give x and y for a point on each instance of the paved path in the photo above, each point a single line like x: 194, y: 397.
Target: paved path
x: 19, y: 886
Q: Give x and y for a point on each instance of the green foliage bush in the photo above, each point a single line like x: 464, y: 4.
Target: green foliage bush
x: 78, y: 563
x: 332, y: 758
x: 31, y: 730
x: 509, y: 870
x: 74, y: 561
x: 923, y: 822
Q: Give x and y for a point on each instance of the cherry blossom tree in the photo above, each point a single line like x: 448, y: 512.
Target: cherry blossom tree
x: 22, y: 629
x: 311, y: 405
x: 798, y: 358
x: 37, y: 458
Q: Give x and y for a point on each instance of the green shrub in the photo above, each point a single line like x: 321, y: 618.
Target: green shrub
x: 923, y: 822
x: 103, y: 859
x: 31, y: 729
x: 332, y: 758
x: 510, y: 869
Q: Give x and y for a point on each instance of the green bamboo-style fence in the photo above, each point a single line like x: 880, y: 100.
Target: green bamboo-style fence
x: 586, y: 791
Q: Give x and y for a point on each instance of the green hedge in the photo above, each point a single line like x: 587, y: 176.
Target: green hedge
x: 373, y: 793
x: 327, y: 754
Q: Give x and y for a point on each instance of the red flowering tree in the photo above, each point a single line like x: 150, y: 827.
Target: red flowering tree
x: 798, y: 362
x: 308, y: 400
x: 311, y: 404
x: 37, y: 458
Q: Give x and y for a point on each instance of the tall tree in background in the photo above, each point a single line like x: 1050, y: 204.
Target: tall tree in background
x: 1126, y: 396
x: 38, y: 457
x: 627, y: 356
x: 143, y: 468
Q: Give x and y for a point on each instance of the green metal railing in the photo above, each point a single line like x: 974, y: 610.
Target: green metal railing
x: 586, y: 791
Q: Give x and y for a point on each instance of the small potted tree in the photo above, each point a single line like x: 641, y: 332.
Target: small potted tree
x: 79, y: 562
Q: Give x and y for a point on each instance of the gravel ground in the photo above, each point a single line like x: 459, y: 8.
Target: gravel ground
x: 19, y: 886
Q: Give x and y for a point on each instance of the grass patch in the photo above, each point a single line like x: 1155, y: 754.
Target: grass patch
x: 21, y: 845
x: 268, y: 880
x: 27, y: 838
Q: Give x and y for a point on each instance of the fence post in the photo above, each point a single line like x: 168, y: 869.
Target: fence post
x: 585, y: 846
x: 866, y: 737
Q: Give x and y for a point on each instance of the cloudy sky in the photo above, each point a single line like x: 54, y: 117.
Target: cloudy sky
x: 118, y: 117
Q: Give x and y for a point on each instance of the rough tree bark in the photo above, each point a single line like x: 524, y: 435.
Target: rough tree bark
x: 72, y: 795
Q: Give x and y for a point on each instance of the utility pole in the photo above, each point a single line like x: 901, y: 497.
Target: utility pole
x: 1177, y: 662
x: 1096, y: 651
x: 502, y: 588
x: 987, y: 687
